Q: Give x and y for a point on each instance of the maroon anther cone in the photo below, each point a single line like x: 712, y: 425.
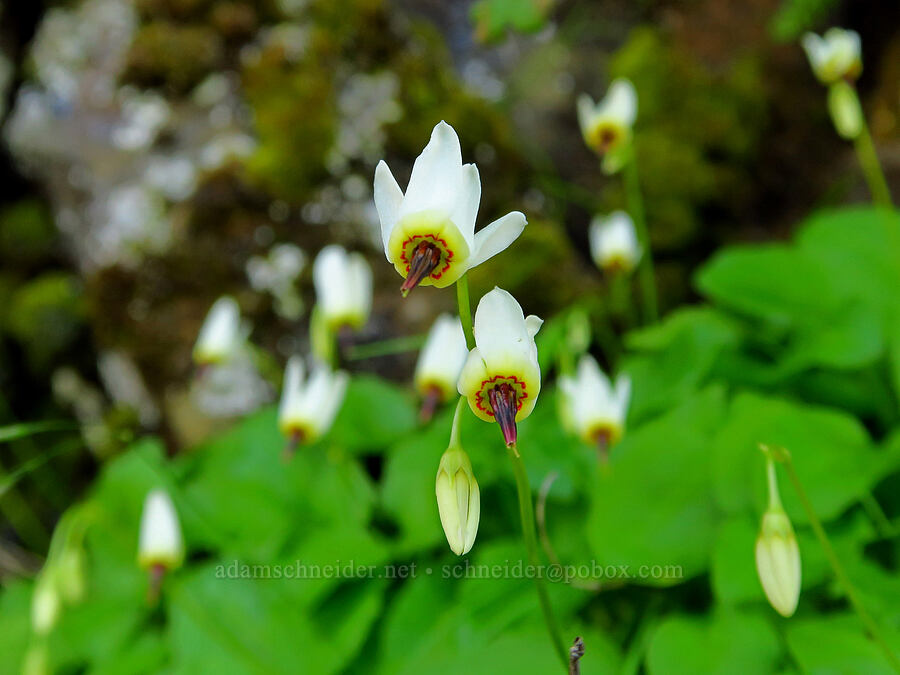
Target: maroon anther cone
x: 425, y: 258
x: 503, y: 403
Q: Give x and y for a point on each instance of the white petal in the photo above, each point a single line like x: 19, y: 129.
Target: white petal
x: 585, y: 107
x: 436, y: 175
x: 466, y: 209
x: 621, y: 101
x: 533, y: 324
x: 160, y: 534
x: 497, y: 236
x: 388, y: 197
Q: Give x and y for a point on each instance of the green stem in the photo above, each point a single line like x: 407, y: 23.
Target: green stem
x: 526, y: 513
x: 398, y: 345
x: 620, y: 295
x: 457, y: 417
x: 465, y: 310
x: 868, y: 159
x: 877, y: 515
x: 636, y: 207
x: 871, y: 625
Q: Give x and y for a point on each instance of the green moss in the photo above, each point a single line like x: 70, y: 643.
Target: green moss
x: 45, y: 315
x: 174, y: 56
x: 26, y: 232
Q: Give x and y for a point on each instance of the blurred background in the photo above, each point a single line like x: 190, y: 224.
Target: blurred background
x: 157, y: 154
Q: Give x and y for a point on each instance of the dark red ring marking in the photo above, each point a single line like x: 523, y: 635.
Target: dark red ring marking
x: 519, y: 396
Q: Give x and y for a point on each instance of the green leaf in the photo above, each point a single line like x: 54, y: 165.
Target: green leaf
x: 728, y: 642
x: 835, y: 644
x: 15, y: 625
x: 676, y: 357
x: 375, y: 414
x: 831, y: 452
x: 775, y: 283
x: 655, y: 505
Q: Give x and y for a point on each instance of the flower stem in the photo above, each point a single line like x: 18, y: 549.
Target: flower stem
x: 868, y: 159
x: 454, y: 429
x: 636, y: 207
x: 783, y: 456
x: 526, y: 513
x: 465, y: 310
x: 397, y: 345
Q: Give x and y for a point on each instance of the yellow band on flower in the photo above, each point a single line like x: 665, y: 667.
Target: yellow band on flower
x: 436, y: 229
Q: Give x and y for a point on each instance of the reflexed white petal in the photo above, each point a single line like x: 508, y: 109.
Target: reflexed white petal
x: 533, y: 324
x: 437, y: 174
x: 497, y: 236
x: 815, y: 49
x: 466, y: 209
x: 499, y: 324
x: 388, y: 197
x: 623, y: 395
x: 360, y: 284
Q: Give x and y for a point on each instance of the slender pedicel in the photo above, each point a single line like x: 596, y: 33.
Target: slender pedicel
x: 429, y: 404
x: 294, y: 440
x: 503, y: 403
x: 424, y: 259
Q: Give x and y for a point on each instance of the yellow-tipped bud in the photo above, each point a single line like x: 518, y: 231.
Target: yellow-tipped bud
x: 777, y: 553
x: 458, y: 498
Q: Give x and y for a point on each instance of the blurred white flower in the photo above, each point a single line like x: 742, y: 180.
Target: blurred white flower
x: 160, y: 542
x: 309, y: 405
x: 607, y: 125
x: 614, y: 244
x: 595, y: 408
x: 834, y: 56
x: 442, y: 358
x: 343, y: 284
x: 222, y: 334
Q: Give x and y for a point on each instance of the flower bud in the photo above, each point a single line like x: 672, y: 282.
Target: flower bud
x: 845, y: 110
x: 160, y: 544
x: 777, y: 554
x: 71, y: 574
x: 45, y: 603
x: 458, y: 498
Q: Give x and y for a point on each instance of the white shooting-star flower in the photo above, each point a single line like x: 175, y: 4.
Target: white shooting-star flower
x: 501, y: 378
x: 594, y: 407
x: 309, y: 405
x: 429, y: 232
x: 343, y: 284
x: 837, y: 55
x: 607, y: 125
x: 160, y: 543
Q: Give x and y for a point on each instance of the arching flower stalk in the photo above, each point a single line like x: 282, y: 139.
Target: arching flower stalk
x: 429, y: 232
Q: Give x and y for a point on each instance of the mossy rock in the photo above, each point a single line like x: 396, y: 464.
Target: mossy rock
x: 173, y: 56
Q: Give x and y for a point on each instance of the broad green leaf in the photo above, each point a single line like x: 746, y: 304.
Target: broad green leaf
x: 676, y: 356
x: 776, y: 283
x: 831, y: 451
x: 655, y: 505
x: 835, y: 644
x: 15, y: 625
x: 728, y: 642
x: 375, y: 414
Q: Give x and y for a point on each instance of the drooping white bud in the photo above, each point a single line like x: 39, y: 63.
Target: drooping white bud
x: 160, y: 543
